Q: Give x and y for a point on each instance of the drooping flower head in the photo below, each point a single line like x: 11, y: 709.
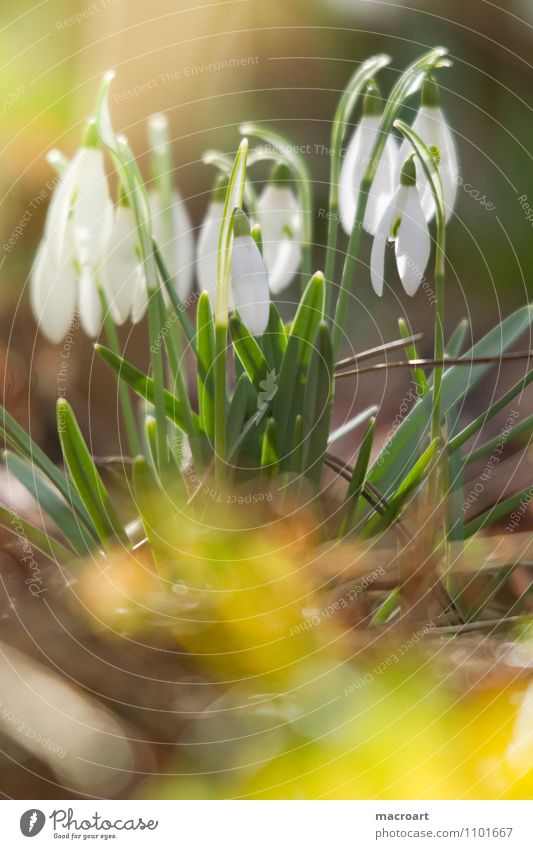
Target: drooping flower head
x: 249, y: 277
x: 356, y: 161
x: 403, y: 223
x: 432, y: 127
x: 77, y: 231
x: 207, y: 244
x: 123, y: 272
x: 280, y: 218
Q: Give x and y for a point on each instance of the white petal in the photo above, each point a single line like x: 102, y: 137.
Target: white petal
x: 92, y: 212
x: 383, y: 186
x: 432, y: 127
x: 89, y: 304
x: 283, y: 264
x: 177, y: 245
x: 120, y: 268
x: 140, y: 296
x: 277, y: 209
x: 383, y: 235
x: 354, y: 165
x: 448, y: 167
x: 207, y: 251
x: 278, y: 213
x: 60, y: 207
x: 413, y: 244
x: 52, y: 294
x: 249, y: 284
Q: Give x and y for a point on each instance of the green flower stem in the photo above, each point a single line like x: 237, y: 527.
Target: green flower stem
x: 221, y: 342
x: 233, y: 202
x: 126, y: 405
x: 333, y: 231
x: 175, y: 359
x: 161, y: 166
x: 156, y: 361
x: 178, y: 307
x: 349, y: 267
x: 439, y: 325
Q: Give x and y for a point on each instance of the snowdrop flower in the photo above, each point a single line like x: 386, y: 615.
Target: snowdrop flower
x: 207, y: 245
x: 176, y: 242
x: 403, y: 223
x: 356, y: 162
x: 77, y: 230
x: 249, y: 278
x: 279, y: 215
x: 123, y: 274
x: 430, y: 124
x: 171, y: 224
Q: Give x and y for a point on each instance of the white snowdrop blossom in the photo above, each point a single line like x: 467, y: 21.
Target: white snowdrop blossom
x: 175, y: 240
x: 432, y: 127
x: 249, y: 278
x: 403, y: 223
x: 77, y: 230
x: 280, y: 219
x: 356, y: 162
x: 123, y: 273
x: 207, y: 244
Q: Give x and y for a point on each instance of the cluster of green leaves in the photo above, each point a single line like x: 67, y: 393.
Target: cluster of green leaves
x: 263, y: 405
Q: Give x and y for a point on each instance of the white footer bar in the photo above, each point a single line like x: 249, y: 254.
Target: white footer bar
x: 266, y: 825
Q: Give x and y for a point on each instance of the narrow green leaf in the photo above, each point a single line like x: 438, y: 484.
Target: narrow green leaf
x: 158, y: 513
x: 386, y: 608
x: 26, y: 533
x: 499, y: 511
x: 274, y: 339
x: 495, y: 408
x: 50, y: 502
x: 249, y: 352
x: 317, y: 404
x: 411, y: 481
x: 297, y: 453
x: 495, y: 583
x: 419, y: 378
x: 269, y: 451
x: 86, y: 477
x: 349, y: 426
x: 403, y: 448
x: 205, y: 338
x: 455, y: 342
x: 17, y: 437
x: 355, y: 487
x: 143, y: 385
x: 514, y: 432
x: 454, y: 469
x: 170, y: 477
x: 170, y: 287
x: 293, y: 373
x: 243, y: 404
